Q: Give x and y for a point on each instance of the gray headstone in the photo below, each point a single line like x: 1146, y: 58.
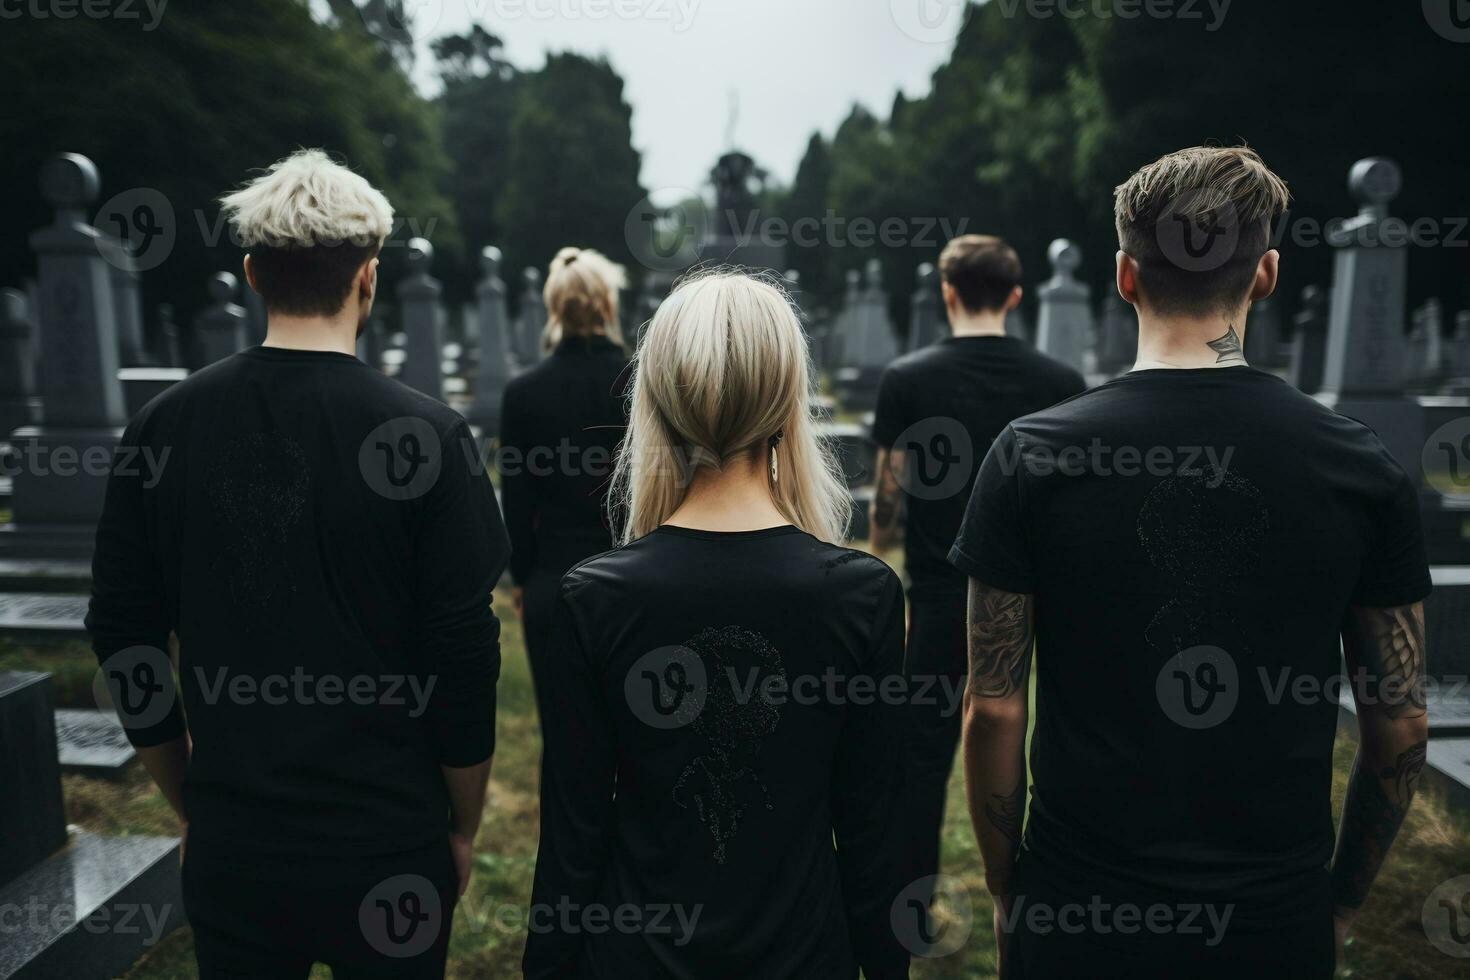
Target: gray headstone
x: 926, y: 319
x: 17, y: 362
x: 1460, y: 348
x: 1309, y: 341
x: 1426, y: 367
x: 219, y: 329
x: 1365, y: 333
x: 92, y: 741
x: 418, y: 302
x: 491, y: 324
x: 32, y: 821
x: 877, y: 345
x: 127, y: 302
x: 1264, y: 340
x: 1064, y: 325
x: 845, y: 346
x: 531, y: 320
x: 1117, y: 336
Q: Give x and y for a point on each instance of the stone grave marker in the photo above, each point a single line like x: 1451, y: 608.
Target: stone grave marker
x: 494, y: 361
x: 1309, y: 341
x: 1064, y: 324
x: 92, y: 742
x: 418, y: 301
x: 219, y: 329
x: 927, y: 322
x: 530, y: 322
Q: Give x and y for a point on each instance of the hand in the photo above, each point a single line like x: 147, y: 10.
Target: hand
x: 1342, y: 921
x: 518, y: 601
x: 463, y: 850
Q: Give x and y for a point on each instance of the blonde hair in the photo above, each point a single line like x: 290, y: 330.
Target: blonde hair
x: 306, y: 200
x: 722, y: 368
x: 581, y: 295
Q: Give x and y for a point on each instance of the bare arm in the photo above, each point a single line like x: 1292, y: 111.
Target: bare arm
x: 887, y: 503
x: 1002, y: 627
x: 1385, y: 657
x: 166, y: 763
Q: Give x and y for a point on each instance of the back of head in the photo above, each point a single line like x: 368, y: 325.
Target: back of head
x: 1197, y: 222
x: 722, y: 369
x: 581, y: 295
x: 982, y: 270
x: 309, y: 224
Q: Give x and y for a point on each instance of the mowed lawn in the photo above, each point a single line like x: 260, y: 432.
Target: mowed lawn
x: 489, y: 925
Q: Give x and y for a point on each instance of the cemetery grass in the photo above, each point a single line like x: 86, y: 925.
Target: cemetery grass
x: 488, y: 938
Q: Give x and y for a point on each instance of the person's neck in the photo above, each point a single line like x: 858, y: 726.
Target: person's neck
x: 317, y: 333
x: 735, y: 497
x: 1213, y: 341
x: 985, y: 324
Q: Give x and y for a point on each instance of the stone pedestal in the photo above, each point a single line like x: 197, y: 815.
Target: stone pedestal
x: 530, y: 322
x: 418, y: 302
x: 219, y: 330
x: 927, y: 323
x: 494, y: 363
x: 1064, y: 325
x: 32, y: 821
x: 872, y: 343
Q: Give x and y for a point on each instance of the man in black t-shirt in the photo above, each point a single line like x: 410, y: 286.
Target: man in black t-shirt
x: 939, y: 409
x: 322, y: 542
x: 1190, y: 547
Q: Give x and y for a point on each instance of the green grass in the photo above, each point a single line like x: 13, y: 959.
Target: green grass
x: 488, y: 934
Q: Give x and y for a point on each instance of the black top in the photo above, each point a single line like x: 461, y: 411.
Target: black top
x: 945, y: 404
x: 697, y: 758
x: 561, y: 421
x: 324, y: 542
x: 1193, y: 539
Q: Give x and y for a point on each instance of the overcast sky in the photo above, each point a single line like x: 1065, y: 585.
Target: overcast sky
x: 795, y: 65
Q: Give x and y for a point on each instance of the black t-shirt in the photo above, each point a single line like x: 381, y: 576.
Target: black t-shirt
x: 695, y: 758
x: 560, y: 427
x: 324, y: 541
x: 944, y: 405
x: 1193, y: 539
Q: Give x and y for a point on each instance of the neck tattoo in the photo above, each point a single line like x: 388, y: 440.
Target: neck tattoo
x: 1228, y: 347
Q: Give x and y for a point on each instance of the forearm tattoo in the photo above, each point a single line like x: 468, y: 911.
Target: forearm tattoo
x: 1371, y: 815
x: 1227, y: 347
x: 887, y: 496
x: 1386, y: 649
x: 1005, y: 810
x: 1002, y: 627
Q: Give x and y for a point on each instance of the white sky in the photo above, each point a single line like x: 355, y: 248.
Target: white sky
x: 796, y: 65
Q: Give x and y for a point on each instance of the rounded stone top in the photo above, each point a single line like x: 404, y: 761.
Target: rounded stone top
x: 420, y: 254
x: 13, y: 305
x: 222, y: 287
x: 490, y: 260
x: 1375, y: 180
x: 854, y: 278
x: 927, y: 272
x: 1064, y: 256
x: 793, y: 276
x: 874, y: 270
x: 1311, y: 295
x: 532, y: 276
x: 69, y: 181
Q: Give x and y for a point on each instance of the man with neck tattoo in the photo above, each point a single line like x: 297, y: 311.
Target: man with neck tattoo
x: 1190, y: 550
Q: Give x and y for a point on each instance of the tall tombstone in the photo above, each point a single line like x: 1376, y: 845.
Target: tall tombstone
x: 844, y: 346
x: 1309, y: 341
x: 926, y: 319
x: 1064, y: 324
x: 1460, y: 353
x: 169, y: 351
x: 418, y: 303
x: 1264, y: 340
x: 874, y: 346
x: 1117, y: 340
x: 17, y: 363
x: 491, y: 323
x: 1365, y: 331
x: 531, y: 320
x: 1424, y: 367
x: 58, y: 498
x: 219, y: 329
x: 128, y: 303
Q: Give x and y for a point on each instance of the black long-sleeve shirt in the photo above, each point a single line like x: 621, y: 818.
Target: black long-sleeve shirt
x: 718, y: 759
x: 561, y: 422
x: 324, y: 542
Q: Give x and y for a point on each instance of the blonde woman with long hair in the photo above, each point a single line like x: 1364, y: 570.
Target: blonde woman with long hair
x: 714, y: 743
x: 560, y: 425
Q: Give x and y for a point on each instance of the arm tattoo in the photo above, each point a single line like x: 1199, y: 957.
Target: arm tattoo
x: 1002, y: 626
x: 1375, y: 807
x: 1228, y: 347
x: 887, y: 495
x: 1386, y: 649
x: 1005, y: 811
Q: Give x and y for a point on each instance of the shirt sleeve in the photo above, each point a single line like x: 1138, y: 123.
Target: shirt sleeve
x: 578, y: 774
x: 867, y: 786
x: 1395, y: 570
x: 993, y: 544
x: 517, y: 489
x: 128, y: 618
x: 889, y: 417
x: 461, y: 551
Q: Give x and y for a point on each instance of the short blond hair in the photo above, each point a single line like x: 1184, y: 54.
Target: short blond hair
x: 581, y: 295
x: 307, y: 200
x: 1225, y: 198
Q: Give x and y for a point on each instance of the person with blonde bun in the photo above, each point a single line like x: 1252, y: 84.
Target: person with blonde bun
x: 560, y: 425
x: 721, y: 775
